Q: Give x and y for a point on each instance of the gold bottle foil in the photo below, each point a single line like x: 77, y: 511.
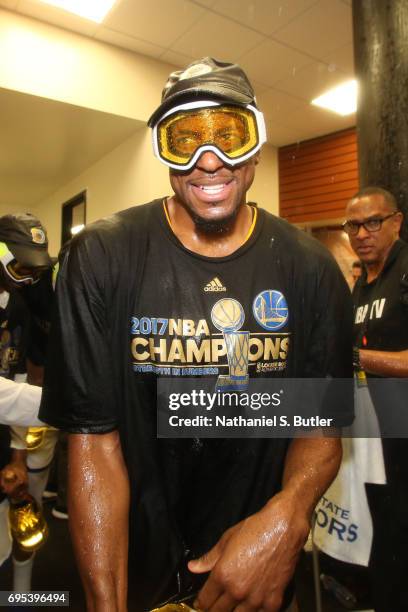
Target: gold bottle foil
x: 173, y: 607
x: 35, y: 437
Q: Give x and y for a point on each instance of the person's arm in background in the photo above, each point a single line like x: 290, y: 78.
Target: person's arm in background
x: 98, y: 503
x: 393, y: 364
x: 19, y: 404
x: 254, y: 561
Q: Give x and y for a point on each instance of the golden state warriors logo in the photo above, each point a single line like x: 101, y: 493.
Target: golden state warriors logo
x: 228, y: 316
x: 37, y: 235
x: 271, y: 309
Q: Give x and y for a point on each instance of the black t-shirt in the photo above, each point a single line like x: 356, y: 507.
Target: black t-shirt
x: 381, y: 307
x: 381, y: 323
x: 39, y: 299
x: 14, y: 330
x: 133, y: 304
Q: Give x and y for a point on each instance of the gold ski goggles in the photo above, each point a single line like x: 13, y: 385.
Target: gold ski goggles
x: 233, y: 133
x: 14, y: 271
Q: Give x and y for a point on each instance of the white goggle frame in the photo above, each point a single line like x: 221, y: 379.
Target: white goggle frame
x: 260, y: 122
x: 6, y: 258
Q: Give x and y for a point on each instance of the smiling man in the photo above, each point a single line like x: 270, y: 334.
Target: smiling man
x: 149, y: 293
x: 381, y: 350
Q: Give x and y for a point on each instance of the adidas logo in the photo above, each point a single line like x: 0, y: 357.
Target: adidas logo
x: 215, y: 285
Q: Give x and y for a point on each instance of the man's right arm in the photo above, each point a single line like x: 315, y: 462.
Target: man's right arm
x: 81, y: 394
x: 98, y: 494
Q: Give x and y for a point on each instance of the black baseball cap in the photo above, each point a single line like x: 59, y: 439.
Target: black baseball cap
x: 26, y: 238
x: 205, y: 78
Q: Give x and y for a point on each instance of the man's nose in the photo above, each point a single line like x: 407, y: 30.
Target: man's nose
x: 209, y: 162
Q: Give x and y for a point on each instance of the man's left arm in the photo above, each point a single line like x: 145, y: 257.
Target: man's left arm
x: 393, y: 364
x: 253, y: 562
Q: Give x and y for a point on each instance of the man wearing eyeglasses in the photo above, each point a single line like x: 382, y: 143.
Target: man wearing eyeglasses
x: 381, y: 350
x: 373, y: 224
x: 154, y: 292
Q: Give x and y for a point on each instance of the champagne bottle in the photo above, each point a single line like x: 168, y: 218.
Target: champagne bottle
x: 27, y: 523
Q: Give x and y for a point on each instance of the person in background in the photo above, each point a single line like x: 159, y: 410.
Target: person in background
x: 218, y: 522
x: 23, y: 258
x: 24, y: 261
x: 373, y: 223
x: 356, y: 270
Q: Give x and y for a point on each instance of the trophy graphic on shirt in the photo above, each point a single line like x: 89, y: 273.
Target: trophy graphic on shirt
x: 228, y: 316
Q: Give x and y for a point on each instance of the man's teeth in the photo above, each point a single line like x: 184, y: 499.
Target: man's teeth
x: 212, y: 189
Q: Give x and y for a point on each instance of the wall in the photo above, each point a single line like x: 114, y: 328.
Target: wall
x: 6, y: 209
x: 127, y: 175
x: 265, y: 190
x: 130, y: 175
x: 339, y: 245
x: 47, y: 61
x: 317, y: 177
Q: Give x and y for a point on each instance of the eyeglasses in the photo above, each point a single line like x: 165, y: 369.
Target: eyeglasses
x: 233, y: 133
x: 371, y: 225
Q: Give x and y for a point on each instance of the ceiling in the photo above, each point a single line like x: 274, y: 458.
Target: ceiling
x: 292, y: 50
x: 42, y: 144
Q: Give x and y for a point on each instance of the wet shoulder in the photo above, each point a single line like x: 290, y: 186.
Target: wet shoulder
x: 110, y: 232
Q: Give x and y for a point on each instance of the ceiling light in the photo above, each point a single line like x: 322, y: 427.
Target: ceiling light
x: 95, y: 10
x: 341, y: 100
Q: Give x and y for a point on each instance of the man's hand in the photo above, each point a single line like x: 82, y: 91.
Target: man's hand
x: 14, y: 480
x: 254, y: 561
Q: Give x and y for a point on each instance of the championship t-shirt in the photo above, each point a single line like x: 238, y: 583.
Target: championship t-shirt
x: 133, y: 305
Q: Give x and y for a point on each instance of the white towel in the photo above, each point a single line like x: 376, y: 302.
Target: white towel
x: 343, y: 527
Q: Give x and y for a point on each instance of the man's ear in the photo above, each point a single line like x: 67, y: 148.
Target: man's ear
x: 399, y: 218
x: 257, y: 157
